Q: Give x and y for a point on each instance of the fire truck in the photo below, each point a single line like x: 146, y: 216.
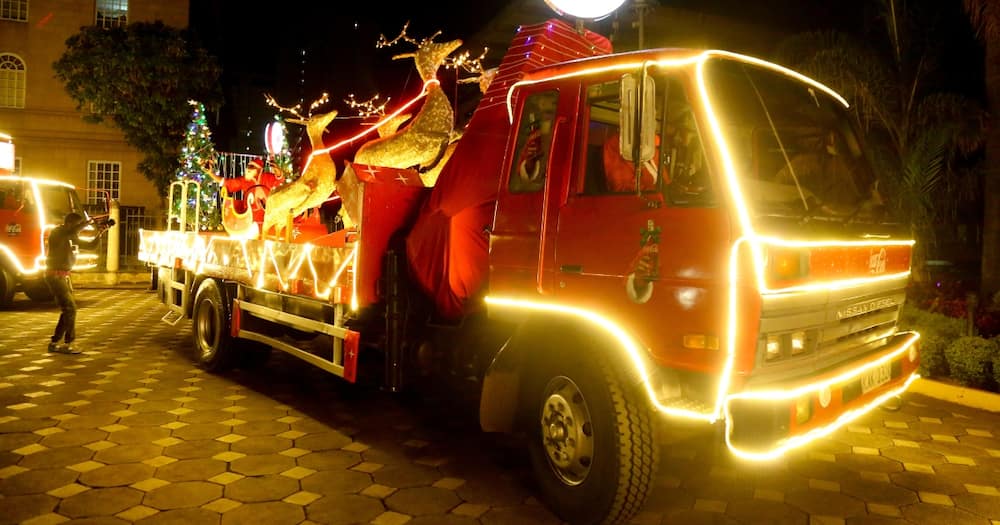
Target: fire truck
x: 615, y: 243
x: 29, y: 208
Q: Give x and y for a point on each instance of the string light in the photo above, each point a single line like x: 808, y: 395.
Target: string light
x: 368, y: 108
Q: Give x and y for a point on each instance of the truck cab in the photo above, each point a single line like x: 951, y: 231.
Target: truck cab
x: 709, y: 224
x: 29, y: 209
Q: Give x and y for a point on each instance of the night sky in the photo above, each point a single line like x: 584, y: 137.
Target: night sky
x: 301, y: 49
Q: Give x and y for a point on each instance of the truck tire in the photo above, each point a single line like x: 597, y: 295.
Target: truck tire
x: 210, y: 319
x: 592, y: 442
x: 7, y: 286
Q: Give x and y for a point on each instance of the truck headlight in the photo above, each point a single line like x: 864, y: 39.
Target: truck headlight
x: 772, y: 348
x: 798, y: 343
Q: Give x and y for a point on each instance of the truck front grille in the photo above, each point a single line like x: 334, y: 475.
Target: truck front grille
x: 837, y: 326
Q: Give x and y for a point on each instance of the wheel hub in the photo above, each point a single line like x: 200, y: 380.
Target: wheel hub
x: 206, y: 329
x: 567, y: 434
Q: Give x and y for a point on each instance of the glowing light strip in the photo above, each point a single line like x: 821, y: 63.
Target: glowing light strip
x: 594, y: 71
x: 803, y: 439
x: 35, y: 180
x: 777, y: 241
x: 780, y: 69
x: 774, y: 395
x: 199, y: 253
x: 374, y: 127
x: 732, y: 327
x: 336, y: 276
x: 84, y: 261
x: 634, y: 353
x: 631, y: 349
x: 354, y: 279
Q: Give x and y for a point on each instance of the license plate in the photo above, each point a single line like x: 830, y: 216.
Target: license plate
x: 876, y: 377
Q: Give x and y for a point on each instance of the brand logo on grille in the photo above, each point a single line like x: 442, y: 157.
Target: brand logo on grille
x: 863, y: 308
x: 876, y: 260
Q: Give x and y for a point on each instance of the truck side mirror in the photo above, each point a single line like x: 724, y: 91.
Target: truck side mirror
x: 630, y: 109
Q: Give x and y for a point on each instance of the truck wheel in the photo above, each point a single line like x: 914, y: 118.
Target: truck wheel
x: 210, y: 323
x: 592, y: 442
x: 7, y: 286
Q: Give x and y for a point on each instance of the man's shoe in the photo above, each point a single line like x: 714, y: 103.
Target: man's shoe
x: 67, y: 348
x: 53, y: 346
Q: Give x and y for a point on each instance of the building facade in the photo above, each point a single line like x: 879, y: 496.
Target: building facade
x: 50, y: 137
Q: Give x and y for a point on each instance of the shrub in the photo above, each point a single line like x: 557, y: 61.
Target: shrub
x: 970, y: 360
x: 996, y: 362
x: 932, y: 357
x: 928, y: 323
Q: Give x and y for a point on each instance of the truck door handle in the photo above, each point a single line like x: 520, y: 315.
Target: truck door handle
x: 571, y: 268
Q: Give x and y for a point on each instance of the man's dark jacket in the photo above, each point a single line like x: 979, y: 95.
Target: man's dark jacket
x: 61, y: 255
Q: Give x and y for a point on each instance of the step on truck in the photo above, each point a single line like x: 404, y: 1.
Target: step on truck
x: 616, y: 242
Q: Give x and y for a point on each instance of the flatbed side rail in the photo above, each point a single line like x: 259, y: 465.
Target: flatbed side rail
x: 341, y: 360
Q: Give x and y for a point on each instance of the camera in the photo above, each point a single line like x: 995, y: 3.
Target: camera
x: 103, y: 222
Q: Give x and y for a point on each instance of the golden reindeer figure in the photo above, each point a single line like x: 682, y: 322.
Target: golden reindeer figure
x: 422, y: 142
x: 317, y: 182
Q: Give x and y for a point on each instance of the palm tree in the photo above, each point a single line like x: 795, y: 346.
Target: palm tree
x: 920, y: 137
x: 985, y: 17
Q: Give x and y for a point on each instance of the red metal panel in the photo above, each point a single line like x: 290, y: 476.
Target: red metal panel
x: 237, y: 318
x: 390, y: 201
x: 447, y: 248
x: 351, y: 349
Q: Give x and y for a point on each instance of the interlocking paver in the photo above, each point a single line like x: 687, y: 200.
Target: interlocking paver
x: 345, y: 509
x: 100, y: 502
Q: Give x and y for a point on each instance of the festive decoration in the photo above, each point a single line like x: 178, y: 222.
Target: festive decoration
x: 317, y: 182
x: 367, y: 108
x: 276, y: 141
x: 422, y: 143
x: 196, y: 158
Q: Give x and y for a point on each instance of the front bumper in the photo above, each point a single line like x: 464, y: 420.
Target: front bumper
x: 768, y: 421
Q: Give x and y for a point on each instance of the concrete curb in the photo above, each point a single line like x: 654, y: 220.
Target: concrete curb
x: 85, y: 280
x: 961, y: 395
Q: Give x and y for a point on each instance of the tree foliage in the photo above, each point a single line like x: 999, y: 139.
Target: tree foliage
x: 139, y: 78
x: 985, y: 18
x: 922, y: 136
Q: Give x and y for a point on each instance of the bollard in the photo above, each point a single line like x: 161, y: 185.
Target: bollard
x: 113, y: 240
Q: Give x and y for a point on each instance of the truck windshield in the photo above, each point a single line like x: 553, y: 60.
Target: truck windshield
x: 793, y: 145
x: 59, y: 201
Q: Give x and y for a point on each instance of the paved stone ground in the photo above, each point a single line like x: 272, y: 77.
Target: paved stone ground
x: 131, y: 431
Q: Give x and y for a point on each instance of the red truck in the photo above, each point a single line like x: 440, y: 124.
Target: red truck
x: 29, y: 208
x: 615, y: 240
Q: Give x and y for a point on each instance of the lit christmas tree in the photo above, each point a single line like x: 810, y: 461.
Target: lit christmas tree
x: 197, y: 156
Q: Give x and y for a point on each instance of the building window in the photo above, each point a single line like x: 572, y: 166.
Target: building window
x: 12, y: 81
x: 103, y: 176
x: 16, y: 10
x: 112, y: 13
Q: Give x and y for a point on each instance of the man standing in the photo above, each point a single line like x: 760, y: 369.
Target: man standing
x: 63, y: 245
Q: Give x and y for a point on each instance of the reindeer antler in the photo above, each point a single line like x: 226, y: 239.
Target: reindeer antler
x: 465, y: 63
x: 295, y: 110
x: 367, y: 108
x: 383, y: 42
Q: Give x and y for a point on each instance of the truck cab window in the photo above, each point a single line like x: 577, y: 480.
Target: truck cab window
x: 678, y: 165
x: 681, y: 155
x: 534, y: 141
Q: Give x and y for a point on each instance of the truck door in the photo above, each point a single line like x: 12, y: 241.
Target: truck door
x: 22, y: 235
x: 528, y: 200
x: 646, y: 251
